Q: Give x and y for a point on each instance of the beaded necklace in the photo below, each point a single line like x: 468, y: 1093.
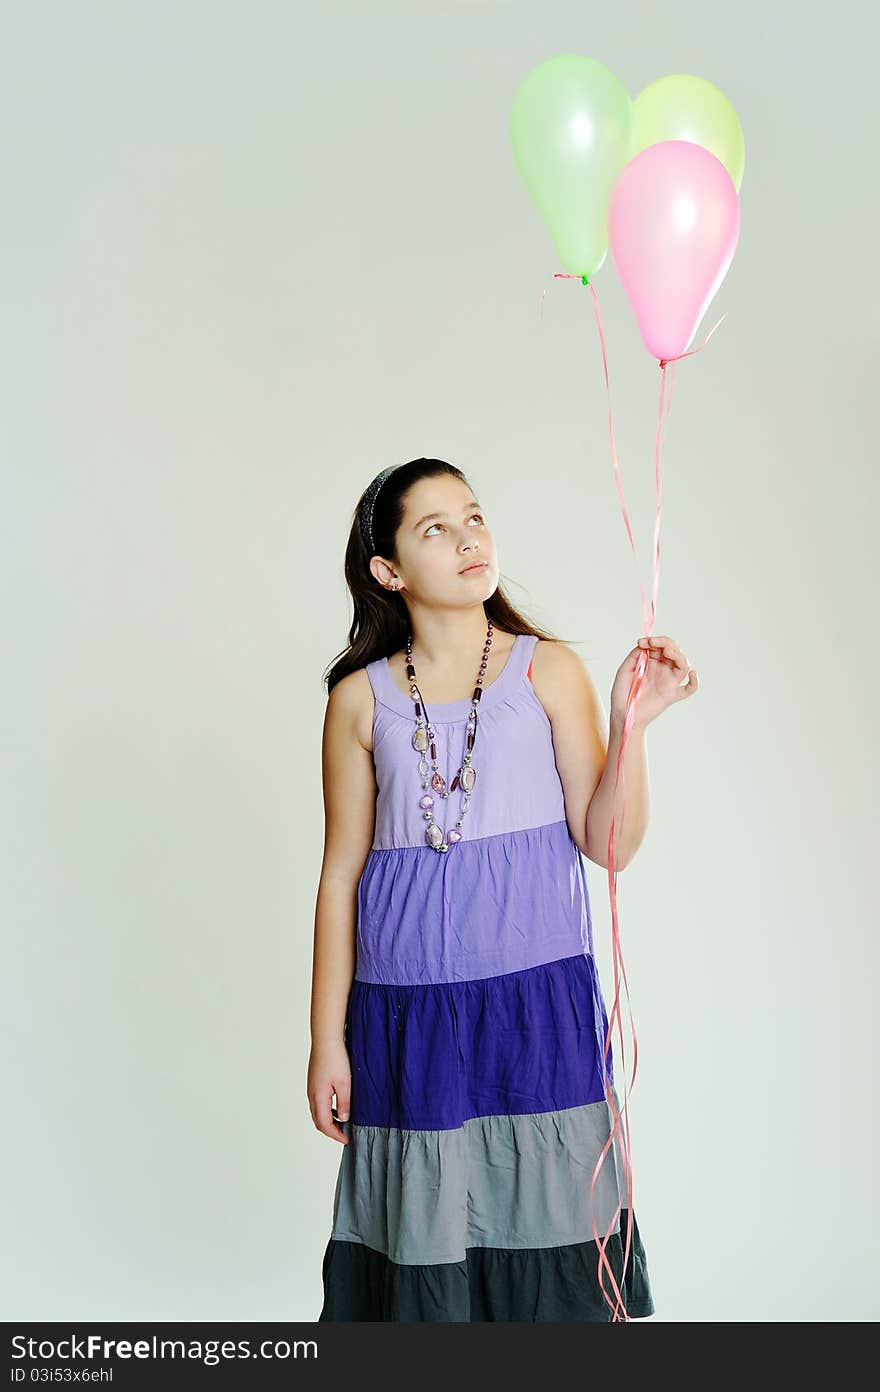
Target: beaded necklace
x: 424, y: 738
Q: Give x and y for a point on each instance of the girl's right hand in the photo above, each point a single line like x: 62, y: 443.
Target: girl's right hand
x: 329, y: 1072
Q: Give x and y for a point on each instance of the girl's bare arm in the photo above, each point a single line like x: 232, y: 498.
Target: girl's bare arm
x: 349, y: 786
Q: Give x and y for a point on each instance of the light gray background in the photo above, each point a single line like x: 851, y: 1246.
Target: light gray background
x: 253, y: 253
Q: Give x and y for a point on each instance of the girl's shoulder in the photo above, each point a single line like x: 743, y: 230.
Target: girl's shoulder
x: 353, y: 701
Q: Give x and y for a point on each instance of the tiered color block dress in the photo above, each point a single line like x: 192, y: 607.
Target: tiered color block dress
x: 475, y: 1026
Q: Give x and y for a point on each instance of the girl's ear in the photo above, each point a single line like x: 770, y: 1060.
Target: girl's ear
x: 384, y: 574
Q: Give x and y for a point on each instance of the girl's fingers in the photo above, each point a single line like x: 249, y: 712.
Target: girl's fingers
x: 322, y: 1116
x: 665, y: 649
x: 692, y: 682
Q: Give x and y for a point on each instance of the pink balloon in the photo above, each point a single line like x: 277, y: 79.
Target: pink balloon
x: 673, y: 225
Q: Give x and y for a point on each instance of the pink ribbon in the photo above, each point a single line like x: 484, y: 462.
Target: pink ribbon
x: 618, y: 1305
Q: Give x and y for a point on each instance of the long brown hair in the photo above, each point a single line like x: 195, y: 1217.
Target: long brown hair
x: 381, y: 623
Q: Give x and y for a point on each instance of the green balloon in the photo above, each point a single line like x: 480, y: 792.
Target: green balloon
x: 683, y: 107
x: 571, y: 133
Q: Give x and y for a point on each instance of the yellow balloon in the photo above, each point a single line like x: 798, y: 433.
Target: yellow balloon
x: 684, y: 107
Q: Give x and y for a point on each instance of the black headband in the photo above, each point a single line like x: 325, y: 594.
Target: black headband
x: 369, y: 502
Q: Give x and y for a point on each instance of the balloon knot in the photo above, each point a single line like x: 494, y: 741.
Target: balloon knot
x: 663, y: 362
x: 585, y: 280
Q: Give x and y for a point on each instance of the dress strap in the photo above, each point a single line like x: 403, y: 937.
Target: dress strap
x: 525, y: 647
x: 384, y: 688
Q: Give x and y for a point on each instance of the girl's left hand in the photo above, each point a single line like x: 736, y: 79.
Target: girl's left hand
x: 669, y: 677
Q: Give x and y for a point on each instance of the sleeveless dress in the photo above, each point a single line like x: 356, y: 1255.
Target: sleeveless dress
x: 475, y: 1027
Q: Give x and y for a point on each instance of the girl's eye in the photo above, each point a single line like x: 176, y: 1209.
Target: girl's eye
x: 470, y: 519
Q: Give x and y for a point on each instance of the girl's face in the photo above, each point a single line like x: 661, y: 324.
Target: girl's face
x: 434, y: 550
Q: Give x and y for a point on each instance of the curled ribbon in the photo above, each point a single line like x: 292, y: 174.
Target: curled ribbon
x: 618, y: 1305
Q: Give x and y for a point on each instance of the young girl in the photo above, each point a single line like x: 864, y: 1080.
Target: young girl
x: 456, y: 1011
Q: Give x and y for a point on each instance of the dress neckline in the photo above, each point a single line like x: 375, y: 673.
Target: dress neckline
x: 451, y: 710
